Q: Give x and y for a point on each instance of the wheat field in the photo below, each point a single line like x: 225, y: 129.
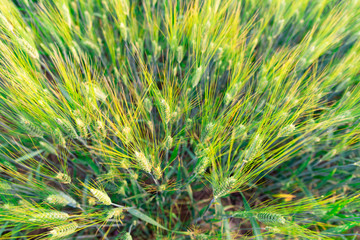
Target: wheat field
x: 179, y: 119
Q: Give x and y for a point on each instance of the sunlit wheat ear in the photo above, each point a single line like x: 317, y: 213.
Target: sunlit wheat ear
x: 180, y: 54
x: 101, y: 129
x: 28, y: 48
x: 165, y: 108
x: 253, y: 149
x: 157, y: 49
x: 287, y: 130
x: 63, y: 231
x: 49, y: 216
x: 81, y: 127
x: 90, y: 44
x: 99, y: 94
x: 143, y: 161
x: 68, y: 128
x: 59, y: 138
x: 101, y: 196
x: 126, y: 131
x: 270, y: 218
x: 91, y: 201
x: 157, y: 172
x: 174, y: 70
x: 4, y: 186
x: 224, y: 187
x: 63, y: 177
x: 31, y: 128
x: 197, y: 77
x: 175, y: 115
x: 151, y: 126
x: 9, y: 206
x: 67, y: 15
x: 61, y: 199
x: 202, y: 166
x: 168, y: 142
x: 116, y: 213
x: 123, y: 31
x: 148, y: 105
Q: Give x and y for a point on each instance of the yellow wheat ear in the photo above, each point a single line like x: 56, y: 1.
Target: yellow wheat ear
x: 116, y: 213
x: 270, y: 218
x: 101, y: 196
x: 143, y: 161
x: 49, y: 216
x: 61, y: 199
x: 63, y: 231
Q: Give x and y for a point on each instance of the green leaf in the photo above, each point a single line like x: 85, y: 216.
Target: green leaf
x: 28, y: 156
x: 254, y: 223
x: 174, y: 154
x: 142, y: 216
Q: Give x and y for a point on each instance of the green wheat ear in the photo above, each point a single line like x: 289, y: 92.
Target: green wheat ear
x: 224, y: 187
x: 31, y: 128
x: 270, y: 218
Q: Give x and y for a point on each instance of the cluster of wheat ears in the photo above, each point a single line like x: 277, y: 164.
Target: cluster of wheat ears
x: 179, y: 119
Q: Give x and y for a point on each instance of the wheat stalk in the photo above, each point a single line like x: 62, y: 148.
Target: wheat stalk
x: 166, y: 110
